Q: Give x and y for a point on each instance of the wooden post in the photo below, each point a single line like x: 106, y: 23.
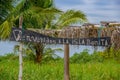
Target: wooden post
x: 66, y: 62
x: 20, y: 53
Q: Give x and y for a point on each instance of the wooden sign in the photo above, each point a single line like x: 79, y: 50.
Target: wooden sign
x: 31, y: 36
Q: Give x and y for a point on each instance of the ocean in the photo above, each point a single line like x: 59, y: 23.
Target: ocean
x: 8, y: 46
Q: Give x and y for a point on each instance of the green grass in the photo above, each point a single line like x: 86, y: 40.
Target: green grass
x: 108, y: 70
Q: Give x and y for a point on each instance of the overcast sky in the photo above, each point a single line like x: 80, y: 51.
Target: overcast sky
x: 96, y: 10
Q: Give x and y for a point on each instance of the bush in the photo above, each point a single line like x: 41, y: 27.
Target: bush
x: 111, y: 54
x: 49, y: 55
x: 96, y: 57
x: 9, y: 56
x: 82, y: 57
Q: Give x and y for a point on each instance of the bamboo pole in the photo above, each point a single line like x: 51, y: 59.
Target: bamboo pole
x: 66, y: 62
x: 20, y: 53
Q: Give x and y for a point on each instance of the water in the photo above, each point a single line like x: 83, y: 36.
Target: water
x: 75, y: 49
x: 8, y: 46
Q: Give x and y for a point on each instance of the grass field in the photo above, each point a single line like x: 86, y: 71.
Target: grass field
x: 108, y: 70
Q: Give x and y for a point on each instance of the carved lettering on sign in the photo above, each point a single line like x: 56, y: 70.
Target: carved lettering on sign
x: 17, y: 35
x: 31, y: 36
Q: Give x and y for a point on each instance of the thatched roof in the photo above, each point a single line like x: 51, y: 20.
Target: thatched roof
x: 85, y: 31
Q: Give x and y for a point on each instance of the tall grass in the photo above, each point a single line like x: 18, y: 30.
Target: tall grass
x: 95, y: 71
x: 108, y: 70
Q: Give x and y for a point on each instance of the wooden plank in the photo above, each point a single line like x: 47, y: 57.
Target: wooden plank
x: 66, y: 62
x: 31, y: 36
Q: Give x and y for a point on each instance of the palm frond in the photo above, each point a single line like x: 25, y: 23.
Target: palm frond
x: 71, y: 21
x: 5, y: 30
x: 42, y: 3
x: 5, y: 9
x: 71, y: 17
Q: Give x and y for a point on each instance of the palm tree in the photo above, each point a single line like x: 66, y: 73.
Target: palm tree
x: 36, y: 14
x: 60, y: 21
x: 40, y: 14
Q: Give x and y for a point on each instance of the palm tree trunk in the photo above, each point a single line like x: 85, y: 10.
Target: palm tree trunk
x: 39, y: 52
x: 20, y: 54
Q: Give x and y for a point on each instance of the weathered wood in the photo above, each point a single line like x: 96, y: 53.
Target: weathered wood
x: 31, y: 36
x: 66, y: 62
x: 115, y: 39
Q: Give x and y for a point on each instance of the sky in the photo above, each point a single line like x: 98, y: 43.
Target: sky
x: 95, y: 10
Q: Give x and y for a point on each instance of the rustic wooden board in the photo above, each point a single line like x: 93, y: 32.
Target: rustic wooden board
x: 31, y: 36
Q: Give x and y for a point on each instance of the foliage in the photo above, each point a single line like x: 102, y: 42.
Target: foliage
x: 40, y: 14
x: 29, y: 53
x: 81, y: 57
x: 49, y: 54
x: 84, y: 57
x: 96, y: 57
x: 9, y: 56
x: 71, y: 17
x: 83, y: 66
x: 5, y: 9
x: 35, y: 16
x: 110, y: 53
x: 109, y: 70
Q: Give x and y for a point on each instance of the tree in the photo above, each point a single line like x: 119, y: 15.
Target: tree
x: 36, y: 14
x: 59, y: 21
x: 40, y: 14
